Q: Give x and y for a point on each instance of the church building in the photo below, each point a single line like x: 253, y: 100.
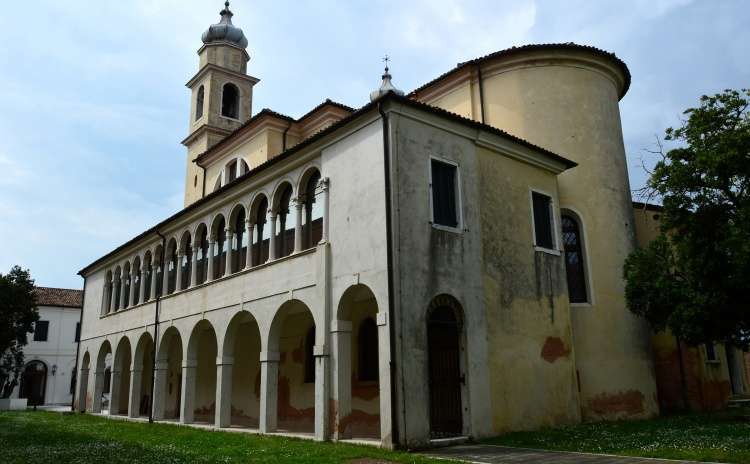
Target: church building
x: 433, y: 266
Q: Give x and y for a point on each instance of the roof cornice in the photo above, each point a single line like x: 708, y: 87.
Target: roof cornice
x: 212, y: 67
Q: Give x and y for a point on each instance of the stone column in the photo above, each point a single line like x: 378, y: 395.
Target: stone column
x: 223, y: 411
x: 250, y: 227
x: 122, y: 292
x: 211, y: 248
x: 165, y: 276
x: 144, y: 270
x: 322, y: 387
x: 324, y: 198
x: 134, y: 403
x: 131, y: 297
x: 158, y: 402
x: 194, y: 268
x: 269, y: 383
x: 298, y: 205
x: 384, y: 378
x: 341, y: 335
x: 272, y: 240
x: 114, y: 392
x: 96, y: 404
x: 178, y: 272
x: 187, y: 408
x: 82, y: 387
x: 154, y: 270
x: 230, y: 252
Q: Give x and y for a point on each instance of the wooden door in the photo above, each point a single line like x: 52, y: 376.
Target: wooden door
x: 445, y: 374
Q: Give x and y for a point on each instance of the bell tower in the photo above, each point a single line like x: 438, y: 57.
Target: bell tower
x: 221, y: 95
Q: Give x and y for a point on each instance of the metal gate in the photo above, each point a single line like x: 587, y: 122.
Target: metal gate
x: 445, y: 373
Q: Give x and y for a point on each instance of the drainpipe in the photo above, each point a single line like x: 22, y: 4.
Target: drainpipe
x: 389, y: 265
x: 283, y: 142
x: 156, y: 318
x: 204, y: 184
x: 481, y: 91
x: 78, y: 350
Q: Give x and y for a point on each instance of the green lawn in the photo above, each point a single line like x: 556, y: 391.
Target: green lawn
x: 45, y: 437
x: 699, y: 437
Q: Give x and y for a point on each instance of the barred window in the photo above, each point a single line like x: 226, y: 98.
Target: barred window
x: 574, y: 260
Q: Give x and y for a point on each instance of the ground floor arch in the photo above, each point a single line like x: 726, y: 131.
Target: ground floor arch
x: 120, y: 378
x: 445, y: 367
x: 82, y: 396
x: 199, y: 375
x: 141, y: 377
x: 291, y: 347
x: 238, y: 374
x: 168, y: 376
x: 357, y: 367
x: 102, y: 379
x: 34, y: 383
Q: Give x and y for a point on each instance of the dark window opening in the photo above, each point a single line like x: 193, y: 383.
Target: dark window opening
x: 262, y: 234
x: 368, y: 350
x: 542, y: 220
x: 40, y: 331
x: 199, y: 103
x: 239, y: 255
x: 444, y: 204
x: 310, y: 356
x: 78, y: 332
x: 230, y: 101
x: 711, y: 352
x: 312, y: 220
x: 574, y: 265
x: 285, y: 231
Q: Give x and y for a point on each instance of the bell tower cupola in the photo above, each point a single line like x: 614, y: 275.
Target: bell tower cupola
x: 221, y: 95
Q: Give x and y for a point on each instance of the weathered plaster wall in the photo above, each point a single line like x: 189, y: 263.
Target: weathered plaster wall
x: 530, y: 346
x: 432, y: 262
x: 568, y: 104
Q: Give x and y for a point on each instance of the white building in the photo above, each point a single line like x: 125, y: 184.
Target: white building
x: 50, y: 355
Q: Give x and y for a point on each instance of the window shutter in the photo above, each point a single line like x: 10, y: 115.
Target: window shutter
x: 542, y: 220
x: 40, y: 331
x: 444, y: 194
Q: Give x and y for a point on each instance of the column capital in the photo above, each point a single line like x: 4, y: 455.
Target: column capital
x: 323, y: 183
x: 189, y: 363
x: 320, y: 351
x: 341, y: 326
x: 224, y: 360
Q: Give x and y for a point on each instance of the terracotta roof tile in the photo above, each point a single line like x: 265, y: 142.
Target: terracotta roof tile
x: 65, y: 297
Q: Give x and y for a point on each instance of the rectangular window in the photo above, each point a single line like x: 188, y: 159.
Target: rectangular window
x: 78, y: 332
x: 543, y: 236
x: 444, y: 194
x: 40, y: 331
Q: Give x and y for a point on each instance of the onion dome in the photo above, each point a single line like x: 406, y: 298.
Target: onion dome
x: 386, y: 86
x: 225, y: 31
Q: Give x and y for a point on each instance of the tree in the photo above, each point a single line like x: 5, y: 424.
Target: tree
x: 18, y: 313
x: 694, y: 279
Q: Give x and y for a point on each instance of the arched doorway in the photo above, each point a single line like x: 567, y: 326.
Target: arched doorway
x: 292, y: 335
x: 34, y: 382
x: 168, y: 376
x: 444, y: 326
x: 199, y: 371
x: 241, y: 362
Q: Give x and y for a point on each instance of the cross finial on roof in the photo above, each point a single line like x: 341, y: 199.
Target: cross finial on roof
x: 386, y: 60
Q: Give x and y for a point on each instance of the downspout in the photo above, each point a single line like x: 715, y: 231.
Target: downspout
x: 481, y: 92
x: 389, y: 256
x: 78, y: 350
x: 283, y: 137
x: 204, y: 184
x: 156, y: 319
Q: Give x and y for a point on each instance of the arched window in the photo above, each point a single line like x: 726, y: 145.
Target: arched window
x: 310, y: 356
x: 108, y: 287
x: 220, y: 255
x: 187, y: 262
x: 118, y: 289
x: 172, y: 269
x: 136, y: 279
x: 285, y: 229
x: 261, y: 233
x: 239, y: 256
x: 126, y: 286
x: 312, y: 225
x: 199, y: 103
x: 148, y: 274
x: 367, y: 345
x: 202, y: 256
x: 574, y: 259
x: 230, y: 101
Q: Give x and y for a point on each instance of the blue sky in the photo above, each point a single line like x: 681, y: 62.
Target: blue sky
x: 93, y: 102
